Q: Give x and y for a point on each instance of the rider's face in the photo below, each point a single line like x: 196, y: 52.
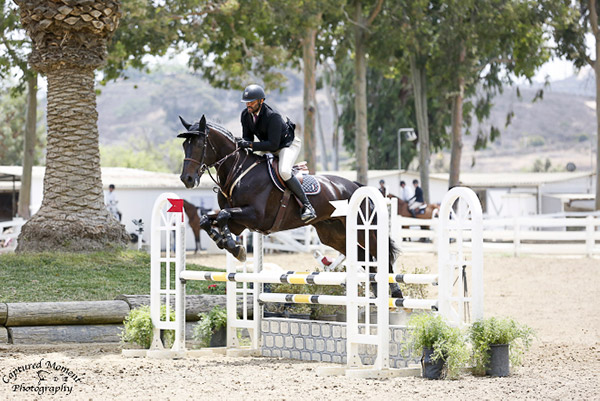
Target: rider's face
x: 254, y: 106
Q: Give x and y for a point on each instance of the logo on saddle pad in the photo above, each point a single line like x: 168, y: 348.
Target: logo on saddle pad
x: 310, y: 184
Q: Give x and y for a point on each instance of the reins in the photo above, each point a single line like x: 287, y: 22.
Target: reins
x: 225, y: 188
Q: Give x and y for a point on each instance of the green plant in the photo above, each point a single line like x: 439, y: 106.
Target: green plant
x: 492, y: 331
x: 417, y: 291
x: 138, y: 327
x: 448, y: 343
x: 209, y: 323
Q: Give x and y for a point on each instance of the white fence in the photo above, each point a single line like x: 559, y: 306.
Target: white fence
x: 570, y: 235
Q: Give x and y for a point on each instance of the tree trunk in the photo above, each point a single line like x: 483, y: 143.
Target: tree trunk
x: 324, y: 155
x: 29, y: 147
x: 310, y: 88
x: 597, y: 74
x: 457, y: 122
x: 420, y: 90
x: 335, y: 156
x: 360, y: 99
x: 72, y: 216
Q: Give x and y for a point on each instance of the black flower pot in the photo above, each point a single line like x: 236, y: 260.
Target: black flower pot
x: 431, y: 369
x: 499, y: 362
x: 219, y: 337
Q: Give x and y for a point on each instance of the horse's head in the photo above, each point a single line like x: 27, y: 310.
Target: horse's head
x: 194, y: 147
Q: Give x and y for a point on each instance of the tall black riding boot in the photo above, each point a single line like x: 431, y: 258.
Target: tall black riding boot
x: 308, y: 212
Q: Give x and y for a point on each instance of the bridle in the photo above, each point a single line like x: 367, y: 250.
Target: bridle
x: 231, y: 177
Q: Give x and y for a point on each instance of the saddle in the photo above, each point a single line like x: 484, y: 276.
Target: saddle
x: 421, y: 209
x: 310, y: 184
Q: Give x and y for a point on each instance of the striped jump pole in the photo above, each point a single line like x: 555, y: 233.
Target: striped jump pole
x: 291, y: 277
x: 431, y: 304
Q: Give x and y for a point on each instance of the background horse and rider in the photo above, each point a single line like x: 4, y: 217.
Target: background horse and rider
x: 248, y: 197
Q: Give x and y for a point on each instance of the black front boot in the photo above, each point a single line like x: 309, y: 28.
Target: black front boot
x: 308, y: 212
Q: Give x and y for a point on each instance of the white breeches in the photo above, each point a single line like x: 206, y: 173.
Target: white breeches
x: 287, y: 158
x: 415, y: 205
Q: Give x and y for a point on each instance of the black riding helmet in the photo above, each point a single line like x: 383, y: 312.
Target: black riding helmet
x: 253, y: 92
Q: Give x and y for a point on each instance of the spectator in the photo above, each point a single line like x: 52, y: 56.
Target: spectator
x: 405, y: 192
x: 111, y: 202
x: 382, y: 188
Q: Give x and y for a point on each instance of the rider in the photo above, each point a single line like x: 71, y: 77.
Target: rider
x: 274, y: 136
x: 417, y: 200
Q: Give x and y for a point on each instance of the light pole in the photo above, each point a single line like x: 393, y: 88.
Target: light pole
x: 410, y: 136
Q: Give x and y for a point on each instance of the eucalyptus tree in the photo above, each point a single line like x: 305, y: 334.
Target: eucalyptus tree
x: 69, y: 42
x: 463, y: 52
x: 571, y: 25
x: 483, y: 45
x: 360, y: 23
x: 412, y: 30
x: 236, y: 43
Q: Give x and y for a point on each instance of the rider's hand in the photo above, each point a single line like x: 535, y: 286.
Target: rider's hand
x: 245, y: 144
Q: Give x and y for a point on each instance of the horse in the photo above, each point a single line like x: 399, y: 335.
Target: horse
x: 194, y: 221
x: 248, y: 198
x: 430, y: 211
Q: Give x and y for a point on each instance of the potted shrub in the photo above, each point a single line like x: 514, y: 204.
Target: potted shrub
x: 443, y: 348
x: 497, y: 344
x: 138, y: 327
x: 211, y: 330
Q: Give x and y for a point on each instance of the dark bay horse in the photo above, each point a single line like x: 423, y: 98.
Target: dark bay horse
x: 194, y: 221
x: 249, y: 199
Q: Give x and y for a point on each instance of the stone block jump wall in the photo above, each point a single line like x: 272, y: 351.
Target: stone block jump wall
x: 323, y: 341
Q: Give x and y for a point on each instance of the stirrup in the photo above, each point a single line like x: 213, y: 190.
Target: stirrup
x: 308, y: 213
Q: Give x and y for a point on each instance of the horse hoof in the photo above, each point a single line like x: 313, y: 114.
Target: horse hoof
x: 397, y: 294
x: 240, y: 253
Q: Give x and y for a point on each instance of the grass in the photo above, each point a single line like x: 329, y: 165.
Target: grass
x: 55, y: 276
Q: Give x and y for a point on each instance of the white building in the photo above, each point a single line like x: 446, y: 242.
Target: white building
x: 135, y: 190
x: 504, y: 195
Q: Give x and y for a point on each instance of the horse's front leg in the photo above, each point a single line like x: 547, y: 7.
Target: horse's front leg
x: 207, y: 224
x: 239, y: 214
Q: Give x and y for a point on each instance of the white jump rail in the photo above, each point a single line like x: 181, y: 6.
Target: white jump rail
x: 168, y: 278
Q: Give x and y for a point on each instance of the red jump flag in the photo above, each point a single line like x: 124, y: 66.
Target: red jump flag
x: 176, y: 207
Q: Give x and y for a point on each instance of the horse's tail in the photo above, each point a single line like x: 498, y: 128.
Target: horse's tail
x: 393, y: 252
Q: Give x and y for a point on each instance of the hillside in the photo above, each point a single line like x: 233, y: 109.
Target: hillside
x: 561, y: 127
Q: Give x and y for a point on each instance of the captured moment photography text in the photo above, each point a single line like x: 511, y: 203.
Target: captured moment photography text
x: 42, y: 377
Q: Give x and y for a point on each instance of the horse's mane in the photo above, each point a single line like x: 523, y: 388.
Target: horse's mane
x: 219, y: 128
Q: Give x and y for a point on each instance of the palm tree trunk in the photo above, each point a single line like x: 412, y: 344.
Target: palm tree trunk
x: 72, y: 216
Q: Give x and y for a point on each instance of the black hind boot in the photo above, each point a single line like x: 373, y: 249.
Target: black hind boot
x: 308, y: 212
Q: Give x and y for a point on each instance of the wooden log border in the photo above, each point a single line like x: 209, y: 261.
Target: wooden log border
x: 88, y: 321
x: 66, y: 313
x: 4, y: 335
x: 3, y: 313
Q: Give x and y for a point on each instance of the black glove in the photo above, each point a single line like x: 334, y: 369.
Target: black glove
x: 245, y: 144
